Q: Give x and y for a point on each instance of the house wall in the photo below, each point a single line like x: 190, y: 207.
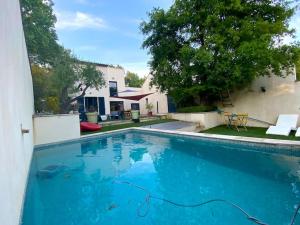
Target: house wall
x: 16, y: 110
x: 282, y: 96
x: 156, y: 97
x: 55, y: 128
x: 110, y: 74
x: 118, y: 74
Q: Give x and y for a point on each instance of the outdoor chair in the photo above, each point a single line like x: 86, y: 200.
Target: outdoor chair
x: 284, y: 125
x: 227, y: 118
x: 127, y: 115
x: 240, y: 120
x: 114, y: 115
x: 236, y: 120
x: 103, y: 117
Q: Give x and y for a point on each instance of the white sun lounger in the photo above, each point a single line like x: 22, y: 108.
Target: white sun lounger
x: 298, y: 132
x: 284, y: 125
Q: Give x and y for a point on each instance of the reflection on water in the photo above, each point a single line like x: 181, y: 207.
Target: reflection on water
x: 182, y: 170
x: 136, y: 154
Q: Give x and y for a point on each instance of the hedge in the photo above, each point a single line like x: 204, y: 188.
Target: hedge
x: 199, y: 108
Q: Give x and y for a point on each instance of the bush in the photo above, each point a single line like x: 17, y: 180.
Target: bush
x: 298, y: 70
x: 52, y: 104
x: 199, y: 108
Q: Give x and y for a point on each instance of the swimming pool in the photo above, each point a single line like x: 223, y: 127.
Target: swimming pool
x: 108, y: 180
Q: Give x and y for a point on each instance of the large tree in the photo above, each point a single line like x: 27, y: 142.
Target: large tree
x: 133, y: 80
x: 72, y: 78
x: 201, y: 48
x: 57, y: 74
x: 39, y: 28
x: 42, y: 88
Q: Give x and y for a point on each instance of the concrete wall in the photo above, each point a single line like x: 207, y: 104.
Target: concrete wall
x: 55, y: 128
x: 282, y: 96
x: 205, y: 120
x: 16, y: 110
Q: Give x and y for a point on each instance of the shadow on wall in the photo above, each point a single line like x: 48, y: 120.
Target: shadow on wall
x: 281, y: 96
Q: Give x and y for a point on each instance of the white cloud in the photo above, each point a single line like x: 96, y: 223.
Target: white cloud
x: 78, y: 20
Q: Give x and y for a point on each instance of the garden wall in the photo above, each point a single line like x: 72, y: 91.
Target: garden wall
x: 55, y: 128
x: 16, y: 110
x: 205, y: 120
x: 281, y: 96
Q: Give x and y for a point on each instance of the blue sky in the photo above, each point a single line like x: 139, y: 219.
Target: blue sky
x: 107, y: 31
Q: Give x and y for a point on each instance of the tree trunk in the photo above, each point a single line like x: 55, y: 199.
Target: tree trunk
x: 66, y: 101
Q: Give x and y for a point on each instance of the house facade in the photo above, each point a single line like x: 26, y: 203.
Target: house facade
x: 106, y: 100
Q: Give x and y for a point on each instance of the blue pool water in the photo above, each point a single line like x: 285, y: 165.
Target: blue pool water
x: 74, y: 183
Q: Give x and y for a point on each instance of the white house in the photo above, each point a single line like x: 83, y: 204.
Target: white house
x: 106, y: 100
x: 161, y: 102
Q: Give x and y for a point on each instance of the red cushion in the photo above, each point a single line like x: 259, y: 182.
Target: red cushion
x: 86, y: 126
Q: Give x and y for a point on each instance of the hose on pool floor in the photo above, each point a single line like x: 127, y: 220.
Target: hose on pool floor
x: 146, y: 204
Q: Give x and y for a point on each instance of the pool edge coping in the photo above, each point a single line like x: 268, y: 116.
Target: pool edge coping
x: 244, y: 139
x: 83, y: 137
x: 227, y: 137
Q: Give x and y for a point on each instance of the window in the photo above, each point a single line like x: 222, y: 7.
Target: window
x: 116, y: 106
x: 91, y: 104
x: 113, y: 88
x: 135, y: 106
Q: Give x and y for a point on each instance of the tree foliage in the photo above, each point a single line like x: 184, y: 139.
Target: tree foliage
x: 43, y: 90
x: 59, y: 79
x: 298, y: 70
x: 72, y: 79
x: 133, y: 80
x: 200, y: 48
x: 39, y: 28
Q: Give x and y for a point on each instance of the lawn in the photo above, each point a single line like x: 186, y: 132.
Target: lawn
x: 127, y: 125
x: 258, y: 132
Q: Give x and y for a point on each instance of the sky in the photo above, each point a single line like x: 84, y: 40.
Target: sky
x: 107, y: 31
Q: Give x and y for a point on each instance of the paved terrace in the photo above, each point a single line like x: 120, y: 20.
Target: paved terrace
x: 176, y: 125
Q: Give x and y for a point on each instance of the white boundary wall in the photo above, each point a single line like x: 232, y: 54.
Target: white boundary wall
x: 55, y: 128
x: 16, y: 110
x: 205, y: 120
x: 282, y: 96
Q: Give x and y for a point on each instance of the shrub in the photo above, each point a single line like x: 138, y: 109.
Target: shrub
x: 52, y: 104
x: 298, y: 71
x: 199, y: 108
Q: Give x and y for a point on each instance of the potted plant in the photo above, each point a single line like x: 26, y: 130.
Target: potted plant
x: 92, y: 115
x: 149, y: 107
